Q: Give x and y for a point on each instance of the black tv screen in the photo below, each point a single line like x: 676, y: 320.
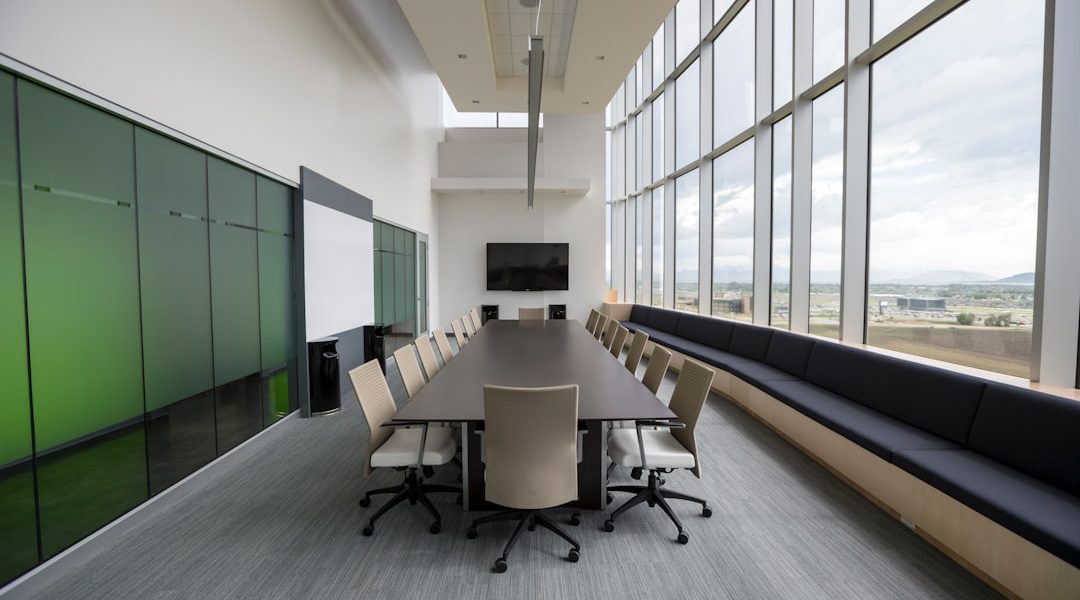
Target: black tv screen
x: 528, y: 267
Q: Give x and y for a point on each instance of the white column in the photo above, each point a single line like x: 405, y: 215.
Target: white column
x: 763, y: 84
x: 802, y: 126
x: 705, y: 145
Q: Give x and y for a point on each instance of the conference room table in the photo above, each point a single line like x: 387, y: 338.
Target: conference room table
x: 535, y: 354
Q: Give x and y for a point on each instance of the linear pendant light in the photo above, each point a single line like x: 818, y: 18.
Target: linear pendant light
x: 536, y: 80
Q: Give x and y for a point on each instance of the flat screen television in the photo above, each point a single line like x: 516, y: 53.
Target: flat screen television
x: 528, y: 267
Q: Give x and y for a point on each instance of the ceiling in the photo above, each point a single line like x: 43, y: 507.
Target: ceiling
x: 478, y: 46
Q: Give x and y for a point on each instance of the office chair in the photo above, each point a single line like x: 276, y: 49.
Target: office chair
x: 601, y: 323
x: 427, y: 356
x: 618, y: 340
x: 409, y: 370
x: 531, y: 314
x: 475, y: 314
x: 531, y: 459
x: 466, y: 320
x: 609, y: 330
x: 637, y: 348
x: 459, y: 333
x: 406, y: 446
x: 664, y: 447
x: 591, y: 321
x: 656, y: 369
x: 444, y: 345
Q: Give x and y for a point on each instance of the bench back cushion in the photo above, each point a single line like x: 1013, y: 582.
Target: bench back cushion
x: 705, y: 330
x: 663, y: 319
x: 1032, y: 432
x: 750, y: 341
x: 929, y: 398
x: 639, y: 314
x: 789, y: 352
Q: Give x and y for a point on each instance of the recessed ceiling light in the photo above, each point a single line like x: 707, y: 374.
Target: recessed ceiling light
x: 463, y: 56
x: 476, y: 102
x: 600, y: 57
x: 584, y: 101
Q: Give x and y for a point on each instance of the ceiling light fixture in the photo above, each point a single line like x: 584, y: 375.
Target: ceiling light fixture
x: 476, y: 102
x: 600, y: 57
x: 463, y: 56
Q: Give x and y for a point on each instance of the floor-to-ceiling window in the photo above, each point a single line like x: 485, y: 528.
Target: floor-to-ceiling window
x: 687, y: 118
x: 780, y: 288
x: 826, y: 213
x: 687, y: 207
x: 658, y: 246
x: 733, y: 77
x: 733, y: 233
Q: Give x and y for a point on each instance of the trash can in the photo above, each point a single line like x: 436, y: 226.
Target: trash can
x: 325, y: 376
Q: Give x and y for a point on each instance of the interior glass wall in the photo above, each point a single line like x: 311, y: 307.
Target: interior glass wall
x: 395, y: 285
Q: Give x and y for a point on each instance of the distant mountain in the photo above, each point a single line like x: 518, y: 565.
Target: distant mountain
x: 1028, y: 278
x: 945, y: 277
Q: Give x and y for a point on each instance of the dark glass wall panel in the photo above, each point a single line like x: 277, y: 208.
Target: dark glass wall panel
x: 83, y: 300
x: 239, y: 411
x: 18, y: 519
x: 232, y: 193
x: 174, y: 264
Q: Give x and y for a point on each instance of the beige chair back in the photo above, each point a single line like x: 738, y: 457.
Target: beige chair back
x: 618, y: 340
x: 530, y: 439
x: 530, y: 314
x: 427, y: 356
x: 444, y: 345
x: 475, y: 314
x: 459, y: 333
x: 377, y: 404
x: 609, y: 330
x: 405, y: 358
x: 658, y: 364
x: 691, y: 390
x: 591, y: 321
x: 466, y: 320
x: 637, y: 348
x: 601, y: 323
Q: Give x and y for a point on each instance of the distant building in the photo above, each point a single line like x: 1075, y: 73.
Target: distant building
x: 921, y: 304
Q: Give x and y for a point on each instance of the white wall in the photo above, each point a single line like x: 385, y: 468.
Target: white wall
x: 573, y: 147
x: 279, y: 83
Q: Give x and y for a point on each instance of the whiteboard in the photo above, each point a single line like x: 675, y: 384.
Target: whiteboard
x: 339, y: 259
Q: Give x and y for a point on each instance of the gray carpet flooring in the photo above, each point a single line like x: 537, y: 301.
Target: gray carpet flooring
x: 281, y: 521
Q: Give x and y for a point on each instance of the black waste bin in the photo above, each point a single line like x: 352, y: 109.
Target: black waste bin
x: 324, y: 374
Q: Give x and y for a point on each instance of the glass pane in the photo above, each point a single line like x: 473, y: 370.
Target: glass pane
x: 422, y: 283
x: 783, y: 50
x: 639, y: 163
x: 232, y: 193
x: 79, y: 218
x: 607, y: 245
x: 278, y: 391
x: 658, y: 138
x: 639, y: 215
x: 275, y: 300
x: 888, y: 14
x: 687, y: 118
x: 733, y: 77
x: 687, y: 28
x: 273, y: 205
x: 639, y: 74
x: 826, y: 213
x: 18, y: 521
x: 631, y: 154
x: 733, y: 233
x: 378, y: 287
x: 687, y: 206
x: 400, y: 309
x: 954, y: 188
x: 658, y: 246
x: 387, y: 287
x: 828, y: 36
x: 780, y: 301
x: 658, y: 68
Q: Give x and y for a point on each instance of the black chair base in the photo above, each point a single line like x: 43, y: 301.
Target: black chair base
x: 655, y: 495
x: 529, y: 519
x: 412, y: 489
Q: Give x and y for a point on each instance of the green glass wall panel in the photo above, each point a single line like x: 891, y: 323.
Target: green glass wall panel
x: 399, y: 288
x: 278, y: 392
x: 274, y: 202
x: 18, y: 519
x: 275, y: 299
x: 378, y: 284
x: 83, y: 306
x: 232, y: 193
x: 387, y: 287
x: 174, y: 257
x: 234, y: 275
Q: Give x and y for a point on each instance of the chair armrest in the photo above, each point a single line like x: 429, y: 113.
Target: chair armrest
x: 641, y: 439
x: 423, y: 437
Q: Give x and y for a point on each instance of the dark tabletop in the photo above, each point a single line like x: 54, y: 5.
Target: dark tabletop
x: 534, y: 354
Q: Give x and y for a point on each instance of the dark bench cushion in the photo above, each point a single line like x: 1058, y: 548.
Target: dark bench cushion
x: 878, y: 433
x: 1047, y: 516
x: 1032, y: 432
x: 929, y: 398
x: 640, y: 314
x: 790, y: 352
x: 705, y: 330
x: 750, y: 341
x: 663, y: 319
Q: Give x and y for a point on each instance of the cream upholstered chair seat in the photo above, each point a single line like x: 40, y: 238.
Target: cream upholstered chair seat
x: 403, y: 446
x: 662, y: 450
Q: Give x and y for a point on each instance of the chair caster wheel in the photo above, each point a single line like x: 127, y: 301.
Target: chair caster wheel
x: 609, y: 526
x: 367, y: 531
x: 429, y: 472
x: 365, y: 502
x: 683, y: 538
x: 460, y: 500
x: 635, y: 473
x: 575, y: 519
x: 471, y: 533
x: 532, y: 527
x: 500, y: 565
x: 706, y: 512
x: 574, y: 556
x: 435, y: 528
x: 610, y: 498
